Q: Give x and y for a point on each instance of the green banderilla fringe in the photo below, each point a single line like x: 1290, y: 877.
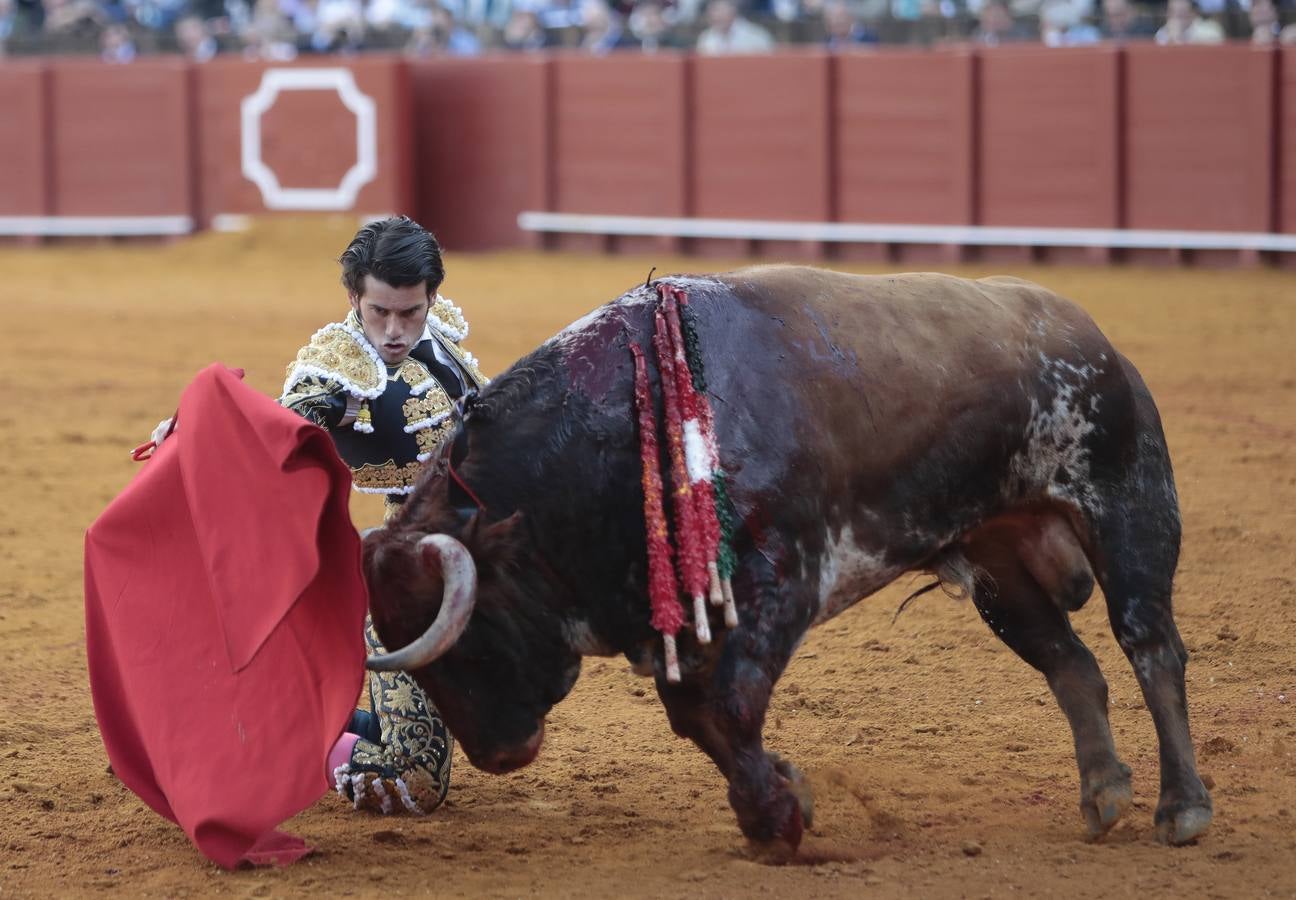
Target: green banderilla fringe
x: 692, y: 348
x: 726, y: 561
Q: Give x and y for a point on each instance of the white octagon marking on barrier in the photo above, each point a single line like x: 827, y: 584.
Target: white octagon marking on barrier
x: 361, y: 105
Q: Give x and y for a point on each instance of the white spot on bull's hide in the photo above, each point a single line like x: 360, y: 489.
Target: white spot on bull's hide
x: 1055, y: 438
x: 847, y: 573
x: 581, y: 638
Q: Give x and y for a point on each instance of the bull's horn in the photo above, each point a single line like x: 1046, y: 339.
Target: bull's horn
x: 459, y: 575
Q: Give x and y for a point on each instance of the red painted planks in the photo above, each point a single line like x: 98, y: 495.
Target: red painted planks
x: 481, y: 147
x: 24, y: 177
x: 1200, y: 137
x: 904, y: 137
x: 121, y: 138
x: 1049, y: 137
x: 619, y: 134
x: 760, y: 137
x: 1287, y: 141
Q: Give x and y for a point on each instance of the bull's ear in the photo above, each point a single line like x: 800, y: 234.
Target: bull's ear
x: 496, y: 545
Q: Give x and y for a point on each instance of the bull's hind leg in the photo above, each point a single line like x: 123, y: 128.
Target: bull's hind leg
x: 1137, y: 550
x: 1022, y: 614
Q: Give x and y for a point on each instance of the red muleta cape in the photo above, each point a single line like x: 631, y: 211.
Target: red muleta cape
x: 225, y: 611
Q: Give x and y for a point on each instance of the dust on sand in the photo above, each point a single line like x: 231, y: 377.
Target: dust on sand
x: 941, y: 765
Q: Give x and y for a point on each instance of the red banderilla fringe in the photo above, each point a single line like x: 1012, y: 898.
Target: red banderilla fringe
x: 688, y: 539
x: 663, y: 590
x: 704, y: 461
x: 700, y: 464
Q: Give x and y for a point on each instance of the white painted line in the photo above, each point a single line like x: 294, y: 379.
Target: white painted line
x: 95, y: 226
x: 849, y: 232
x: 361, y: 105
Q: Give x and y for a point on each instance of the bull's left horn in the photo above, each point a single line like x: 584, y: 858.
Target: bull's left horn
x: 459, y: 574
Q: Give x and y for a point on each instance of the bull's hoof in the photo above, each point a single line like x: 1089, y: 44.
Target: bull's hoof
x: 770, y: 853
x: 798, y: 785
x: 1183, y: 826
x: 1103, y: 805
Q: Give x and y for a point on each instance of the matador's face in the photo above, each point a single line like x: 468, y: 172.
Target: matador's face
x: 393, y: 317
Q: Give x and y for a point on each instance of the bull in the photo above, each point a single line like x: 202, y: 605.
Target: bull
x: 871, y: 426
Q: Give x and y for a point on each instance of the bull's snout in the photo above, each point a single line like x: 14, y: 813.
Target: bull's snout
x: 502, y: 761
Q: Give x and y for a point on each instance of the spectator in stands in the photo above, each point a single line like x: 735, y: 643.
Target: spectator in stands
x: 558, y: 14
x: 397, y: 15
x: 1061, y: 26
x: 996, y: 26
x: 155, y: 15
x: 479, y: 14
x: 1265, y: 27
x: 8, y: 20
x: 195, y: 39
x: 116, y: 45
x: 339, y: 27
x: 728, y: 32
x: 1121, y: 22
x: 649, y: 26
x: 73, y: 21
x: 524, y: 31
x: 443, y: 36
x: 842, y: 27
x: 602, y: 29
x: 1185, y: 25
x: 260, y: 44
x: 268, y: 34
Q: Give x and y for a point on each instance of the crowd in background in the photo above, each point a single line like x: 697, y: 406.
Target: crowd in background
x: 119, y: 30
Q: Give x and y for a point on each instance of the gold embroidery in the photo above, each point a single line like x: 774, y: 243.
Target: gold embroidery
x: 337, y: 352
x: 430, y: 405
x: 413, y: 373
x: 387, y: 477
x: 311, y: 398
x: 430, y: 438
x: 391, y: 505
x: 450, y: 316
x: 415, y: 747
x: 469, y: 364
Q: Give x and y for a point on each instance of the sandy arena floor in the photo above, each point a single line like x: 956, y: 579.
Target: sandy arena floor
x: 941, y: 765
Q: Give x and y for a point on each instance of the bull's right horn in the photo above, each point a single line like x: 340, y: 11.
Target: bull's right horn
x: 459, y: 574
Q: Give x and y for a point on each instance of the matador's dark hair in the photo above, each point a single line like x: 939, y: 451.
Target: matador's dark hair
x: 397, y: 251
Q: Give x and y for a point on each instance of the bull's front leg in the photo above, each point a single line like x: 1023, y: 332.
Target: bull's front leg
x: 768, y: 794
x: 722, y: 710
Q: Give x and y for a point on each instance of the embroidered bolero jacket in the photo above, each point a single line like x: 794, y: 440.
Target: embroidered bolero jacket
x: 385, y: 420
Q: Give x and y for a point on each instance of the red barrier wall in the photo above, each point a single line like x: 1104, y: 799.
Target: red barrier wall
x: 1200, y: 137
x: 24, y: 177
x: 308, y: 137
x: 121, y: 140
x: 1139, y: 137
x: 480, y: 138
x: 1287, y: 141
x: 904, y: 137
x: 1049, y: 137
x: 760, y: 137
x: 619, y: 135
